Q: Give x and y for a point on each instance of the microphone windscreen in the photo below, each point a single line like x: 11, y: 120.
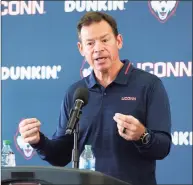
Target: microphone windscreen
x: 82, y: 94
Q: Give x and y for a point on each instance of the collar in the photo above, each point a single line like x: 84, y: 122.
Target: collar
x: 122, y: 77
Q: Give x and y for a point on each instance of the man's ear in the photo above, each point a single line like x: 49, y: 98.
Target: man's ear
x: 119, y: 41
x: 80, y: 48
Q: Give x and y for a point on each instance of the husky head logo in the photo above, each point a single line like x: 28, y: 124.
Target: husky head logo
x: 85, y: 69
x: 24, y: 148
x: 162, y: 10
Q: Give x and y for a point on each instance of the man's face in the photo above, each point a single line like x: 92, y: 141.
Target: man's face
x: 99, y: 45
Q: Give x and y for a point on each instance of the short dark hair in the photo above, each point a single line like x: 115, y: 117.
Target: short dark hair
x: 95, y: 17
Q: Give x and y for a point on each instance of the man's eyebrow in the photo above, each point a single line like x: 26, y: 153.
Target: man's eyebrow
x: 100, y: 37
x: 104, y: 35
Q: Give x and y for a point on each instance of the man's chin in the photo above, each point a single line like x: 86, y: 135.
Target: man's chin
x: 102, y: 69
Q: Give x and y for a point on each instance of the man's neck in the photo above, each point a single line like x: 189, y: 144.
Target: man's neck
x: 107, y: 77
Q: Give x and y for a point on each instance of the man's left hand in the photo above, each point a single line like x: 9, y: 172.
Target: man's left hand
x: 129, y: 127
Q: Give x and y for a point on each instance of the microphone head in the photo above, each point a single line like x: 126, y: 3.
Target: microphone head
x: 82, y: 94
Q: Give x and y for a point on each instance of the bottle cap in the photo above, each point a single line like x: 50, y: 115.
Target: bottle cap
x: 6, y: 142
x: 87, y: 147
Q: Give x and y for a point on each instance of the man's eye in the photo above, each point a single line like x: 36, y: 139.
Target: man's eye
x: 89, y: 43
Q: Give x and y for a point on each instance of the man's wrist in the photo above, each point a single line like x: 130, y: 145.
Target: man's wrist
x: 41, y: 142
x: 145, y: 138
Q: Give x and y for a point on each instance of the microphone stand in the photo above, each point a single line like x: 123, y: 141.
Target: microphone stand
x: 75, y: 152
x: 73, y: 127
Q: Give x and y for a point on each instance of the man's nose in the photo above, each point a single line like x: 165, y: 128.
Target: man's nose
x: 99, y: 47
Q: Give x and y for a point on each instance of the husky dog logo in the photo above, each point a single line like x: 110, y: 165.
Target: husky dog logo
x: 162, y: 10
x: 85, y: 69
x: 24, y: 148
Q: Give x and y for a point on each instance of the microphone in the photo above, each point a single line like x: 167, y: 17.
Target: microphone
x: 80, y: 99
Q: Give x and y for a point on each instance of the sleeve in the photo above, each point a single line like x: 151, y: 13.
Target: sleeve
x: 158, y: 123
x: 58, y: 150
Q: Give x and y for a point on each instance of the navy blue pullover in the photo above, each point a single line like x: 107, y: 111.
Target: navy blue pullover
x: 133, y: 92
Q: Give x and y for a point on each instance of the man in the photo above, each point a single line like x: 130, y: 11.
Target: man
x: 127, y: 118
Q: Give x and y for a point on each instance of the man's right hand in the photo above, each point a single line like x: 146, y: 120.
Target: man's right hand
x: 29, y: 130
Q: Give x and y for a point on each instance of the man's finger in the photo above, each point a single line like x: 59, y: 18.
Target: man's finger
x: 127, y: 118
x: 30, y: 126
x: 121, y: 116
x: 122, y: 123
x: 30, y: 139
x: 131, y: 119
x: 130, y: 127
x: 120, y: 127
x: 125, y: 135
x: 29, y: 133
x: 27, y: 121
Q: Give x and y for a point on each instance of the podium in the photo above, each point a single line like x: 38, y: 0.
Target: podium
x: 38, y: 175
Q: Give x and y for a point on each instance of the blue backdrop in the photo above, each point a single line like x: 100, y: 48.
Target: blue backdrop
x: 40, y: 60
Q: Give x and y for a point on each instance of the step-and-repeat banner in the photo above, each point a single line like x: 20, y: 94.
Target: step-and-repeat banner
x: 40, y: 60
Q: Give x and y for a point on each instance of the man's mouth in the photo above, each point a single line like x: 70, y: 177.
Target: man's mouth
x: 100, y: 58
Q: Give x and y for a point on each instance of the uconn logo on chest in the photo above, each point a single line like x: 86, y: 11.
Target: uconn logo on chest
x: 129, y: 98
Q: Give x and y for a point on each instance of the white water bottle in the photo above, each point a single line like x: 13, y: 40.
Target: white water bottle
x: 7, y: 155
x: 87, y: 159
